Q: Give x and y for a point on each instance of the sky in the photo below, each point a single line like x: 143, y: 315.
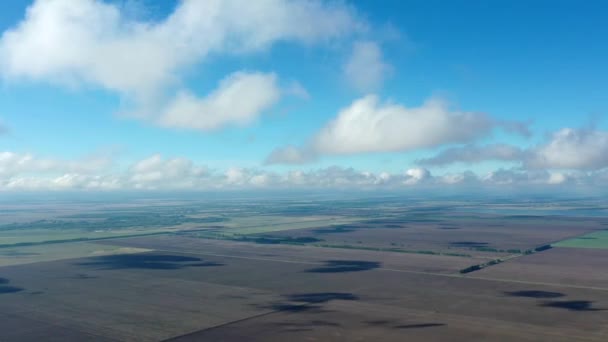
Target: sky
x: 287, y: 94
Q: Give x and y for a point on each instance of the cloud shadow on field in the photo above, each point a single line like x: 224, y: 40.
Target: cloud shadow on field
x: 341, y: 266
x: 308, y: 302
x: 419, y: 326
x: 535, y: 294
x: 305, y: 326
x: 572, y: 305
x: 334, y: 230
x: 83, y: 276
x: 321, y: 297
x: 8, y: 288
x: 146, y: 261
x: 470, y: 244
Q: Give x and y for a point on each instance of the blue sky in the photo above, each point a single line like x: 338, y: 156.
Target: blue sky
x: 135, y: 88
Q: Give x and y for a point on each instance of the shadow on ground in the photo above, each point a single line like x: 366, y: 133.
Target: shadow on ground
x: 146, y: 261
x: 335, y: 230
x: 572, y: 305
x: 305, y: 326
x: 7, y: 288
x: 535, y: 294
x: 470, y: 244
x: 301, y: 302
x: 391, y: 324
x: 340, y: 266
x: 321, y: 297
x: 419, y: 326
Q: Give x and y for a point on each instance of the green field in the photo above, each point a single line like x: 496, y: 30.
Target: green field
x: 597, y: 239
x: 32, y: 254
x: 291, y: 224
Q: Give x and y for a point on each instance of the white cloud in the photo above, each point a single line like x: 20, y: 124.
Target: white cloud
x: 156, y: 172
x: 12, y: 163
x: 290, y: 155
x: 92, y: 42
x: 365, y: 69
x: 565, y: 149
x: 557, y: 178
x: 470, y: 154
x: 464, y: 178
x: 417, y: 175
x: 370, y: 126
x: 239, y: 99
x: 568, y: 148
x: 518, y: 177
x: 20, y: 172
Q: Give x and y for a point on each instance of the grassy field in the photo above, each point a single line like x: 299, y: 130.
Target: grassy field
x: 32, y: 254
x: 597, y: 239
x: 290, y: 225
x: 40, y: 236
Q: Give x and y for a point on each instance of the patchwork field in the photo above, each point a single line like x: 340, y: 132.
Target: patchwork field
x: 568, y: 266
x: 161, y: 295
x: 597, y: 239
x: 482, y: 236
x: 31, y: 254
x: 301, y: 270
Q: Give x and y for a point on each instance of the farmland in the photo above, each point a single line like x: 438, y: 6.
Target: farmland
x: 597, y: 239
x: 301, y: 269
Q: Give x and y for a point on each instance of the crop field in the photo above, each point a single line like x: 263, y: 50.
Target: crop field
x: 308, y: 269
x: 163, y: 295
x: 305, y: 254
x: 597, y: 239
x: 31, y: 254
x: 569, y: 266
x: 484, y: 236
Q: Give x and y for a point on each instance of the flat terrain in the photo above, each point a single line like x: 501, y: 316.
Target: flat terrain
x: 380, y: 269
x: 597, y: 239
x: 31, y: 254
x: 161, y: 295
x: 568, y: 266
x: 483, y: 236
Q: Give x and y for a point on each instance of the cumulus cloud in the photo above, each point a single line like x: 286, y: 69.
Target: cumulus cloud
x: 368, y: 125
x: 568, y: 148
x: 12, y: 163
x: 366, y: 69
x: 93, y: 42
x: 519, y: 177
x: 463, y: 178
x: 155, y: 171
x: 565, y: 149
x: 470, y: 154
x: 239, y: 99
x: 27, y: 172
x: 290, y: 155
x: 417, y: 175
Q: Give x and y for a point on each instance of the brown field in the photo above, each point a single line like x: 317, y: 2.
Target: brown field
x: 211, y: 292
x: 303, y: 254
x: 568, y: 266
x: 452, y: 235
